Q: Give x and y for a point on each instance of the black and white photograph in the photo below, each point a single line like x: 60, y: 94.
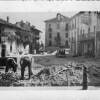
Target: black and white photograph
x: 50, y: 49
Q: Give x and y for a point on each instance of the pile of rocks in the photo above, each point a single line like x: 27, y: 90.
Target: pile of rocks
x: 7, y: 79
x: 54, y: 75
x: 59, y: 75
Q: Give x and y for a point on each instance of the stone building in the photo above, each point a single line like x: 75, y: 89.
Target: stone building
x: 8, y: 37
x: 33, y: 32
x: 17, y: 38
x: 56, y: 32
x: 36, y: 37
x: 83, y: 29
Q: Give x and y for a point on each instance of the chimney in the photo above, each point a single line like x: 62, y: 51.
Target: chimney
x: 58, y: 16
x: 8, y: 19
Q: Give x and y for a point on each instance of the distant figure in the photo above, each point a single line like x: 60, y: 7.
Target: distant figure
x: 25, y: 62
x: 85, y: 83
x: 11, y: 64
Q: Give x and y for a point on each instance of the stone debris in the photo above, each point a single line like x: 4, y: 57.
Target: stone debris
x: 54, y: 75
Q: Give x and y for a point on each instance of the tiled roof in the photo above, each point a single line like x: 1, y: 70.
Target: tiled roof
x: 3, y: 22
x: 37, y: 30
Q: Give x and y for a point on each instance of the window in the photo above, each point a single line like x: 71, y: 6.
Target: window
x: 66, y: 43
x: 72, y: 25
x: 50, y: 35
x: 66, y: 28
x: 89, y: 30
x: 69, y: 26
x: 83, y: 33
x: 50, y: 29
x: 75, y: 23
x: 49, y: 25
x: 66, y: 34
x: 58, y: 35
x: 58, y: 25
x: 50, y: 43
x: 94, y: 29
x: 10, y: 47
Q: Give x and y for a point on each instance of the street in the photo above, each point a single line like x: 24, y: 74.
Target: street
x: 49, y: 60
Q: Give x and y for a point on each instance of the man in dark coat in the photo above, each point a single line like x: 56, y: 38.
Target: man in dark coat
x: 11, y: 64
x: 85, y: 83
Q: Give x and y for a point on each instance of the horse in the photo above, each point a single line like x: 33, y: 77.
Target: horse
x: 11, y: 64
x: 26, y: 62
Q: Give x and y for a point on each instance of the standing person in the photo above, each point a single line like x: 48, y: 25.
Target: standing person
x: 85, y: 83
x: 11, y: 63
x: 26, y: 62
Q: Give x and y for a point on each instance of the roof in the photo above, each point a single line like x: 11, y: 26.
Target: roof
x: 37, y: 30
x: 63, y: 18
x: 3, y: 22
x: 33, y: 28
x: 81, y: 12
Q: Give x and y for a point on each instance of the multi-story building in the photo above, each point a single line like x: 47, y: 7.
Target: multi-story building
x: 17, y: 38
x: 56, y: 32
x: 8, y: 31
x: 36, y: 38
x: 83, y: 28
x: 34, y: 33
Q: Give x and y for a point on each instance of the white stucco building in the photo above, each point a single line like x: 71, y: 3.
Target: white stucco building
x: 83, y: 30
x: 56, y: 32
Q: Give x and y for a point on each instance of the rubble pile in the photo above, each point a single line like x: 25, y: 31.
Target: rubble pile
x: 7, y: 79
x: 58, y: 75
x: 68, y: 76
x: 54, y: 75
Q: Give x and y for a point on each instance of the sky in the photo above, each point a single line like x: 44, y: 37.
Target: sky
x: 35, y: 18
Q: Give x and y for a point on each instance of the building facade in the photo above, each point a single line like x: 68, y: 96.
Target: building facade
x: 83, y: 29
x: 56, y: 32
x: 36, y: 37
x: 34, y: 33
x: 17, y: 38
x: 7, y: 38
